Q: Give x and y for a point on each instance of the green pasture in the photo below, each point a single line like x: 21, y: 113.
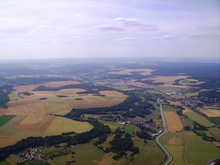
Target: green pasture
x: 200, y: 151
x: 177, y: 153
x: 5, y: 118
x: 216, y: 119
x: 215, y: 132
x: 199, y: 119
x: 169, y: 108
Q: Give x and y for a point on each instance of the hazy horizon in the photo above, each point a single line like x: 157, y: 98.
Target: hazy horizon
x: 109, y: 29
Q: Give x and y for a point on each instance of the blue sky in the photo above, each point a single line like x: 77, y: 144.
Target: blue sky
x: 109, y: 28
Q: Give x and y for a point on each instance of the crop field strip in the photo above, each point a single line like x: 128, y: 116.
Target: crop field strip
x: 211, y: 112
x: 173, y: 121
x: 5, y: 118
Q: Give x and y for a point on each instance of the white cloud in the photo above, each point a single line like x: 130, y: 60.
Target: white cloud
x: 108, y: 28
x: 127, y: 39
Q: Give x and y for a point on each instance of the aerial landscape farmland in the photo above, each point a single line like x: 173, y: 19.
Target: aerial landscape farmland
x: 93, y: 112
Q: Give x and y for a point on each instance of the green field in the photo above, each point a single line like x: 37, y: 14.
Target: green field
x: 199, y: 119
x: 169, y: 108
x: 131, y: 129
x: 216, y: 119
x: 200, y: 151
x: 215, y: 132
x: 196, y: 150
x: 5, y: 118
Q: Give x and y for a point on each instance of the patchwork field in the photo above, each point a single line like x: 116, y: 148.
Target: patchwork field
x: 61, y: 83
x: 5, y: 118
x: 211, y: 112
x: 130, y: 71
x: 24, y: 126
x: 190, y: 148
x: 168, y: 80
x: 61, y: 124
x: 173, y: 121
x: 198, y: 118
x: 92, y: 101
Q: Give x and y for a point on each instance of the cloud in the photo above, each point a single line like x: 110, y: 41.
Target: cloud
x: 108, y: 28
x: 132, y: 22
x: 127, y: 39
x: 154, y: 38
x: 168, y: 37
x: 208, y: 28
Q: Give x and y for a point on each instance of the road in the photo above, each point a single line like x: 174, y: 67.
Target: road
x: 168, y: 156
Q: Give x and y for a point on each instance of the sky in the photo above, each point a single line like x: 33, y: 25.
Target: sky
x: 109, y: 28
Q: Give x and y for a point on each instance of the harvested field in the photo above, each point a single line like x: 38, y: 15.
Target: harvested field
x: 211, y: 113
x: 217, y: 144
x: 90, y: 101
x: 168, y: 80
x: 174, y: 103
x: 26, y: 109
x: 198, y: 118
x: 141, y: 85
x: 173, y: 121
x: 56, y: 106
x: 130, y: 71
x: 30, y: 122
x: 61, y: 83
x: 61, y: 124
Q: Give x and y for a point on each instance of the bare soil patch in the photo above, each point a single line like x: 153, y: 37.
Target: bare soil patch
x: 175, y: 141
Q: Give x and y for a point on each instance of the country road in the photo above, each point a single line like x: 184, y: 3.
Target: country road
x: 168, y: 156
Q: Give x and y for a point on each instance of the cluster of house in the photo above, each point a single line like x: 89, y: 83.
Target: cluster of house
x: 192, y: 102
x: 175, y: 94
x: 155, y: 129
x: 30, y: 153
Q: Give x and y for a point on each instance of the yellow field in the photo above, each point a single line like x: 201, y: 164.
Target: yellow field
x: 91, y: 101
x: 56, y: 106
x: 173, y: 121
x: 61, y: 124
x: 186, y: 109
x: 211, y: 113
x: 61, y: 83
x: 139, y: 84
x: 129, y: 71
x: 168, y: 80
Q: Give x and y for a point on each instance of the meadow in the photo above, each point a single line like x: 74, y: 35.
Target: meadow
x: 190, y: 148
x: 5, y: 118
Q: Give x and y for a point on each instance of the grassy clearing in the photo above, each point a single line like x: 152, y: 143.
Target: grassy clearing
x: 198, y: 118
x: 61, y: 124
x: 13, y: 159
x: 169, y: 108
x: 216, y: 119
x: 177, y: 153
x: 200, y: 151
x: 173, y: 121
x: 131, y: 129
x: 215, y: 132
x: 5, y: 118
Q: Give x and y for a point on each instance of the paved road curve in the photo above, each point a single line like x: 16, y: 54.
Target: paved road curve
x: 168, y: 156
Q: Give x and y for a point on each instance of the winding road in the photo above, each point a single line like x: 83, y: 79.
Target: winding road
x: 168, y: 156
